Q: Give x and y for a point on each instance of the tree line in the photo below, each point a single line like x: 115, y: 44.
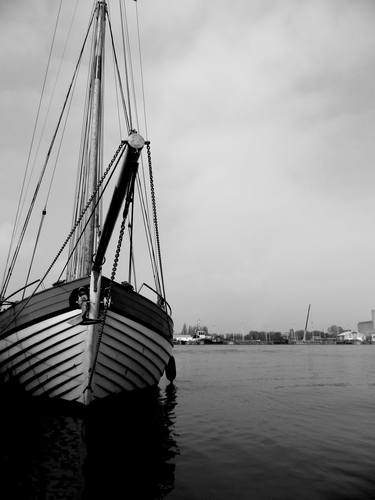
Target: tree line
x: 332, y: 332
x: 191, y: 330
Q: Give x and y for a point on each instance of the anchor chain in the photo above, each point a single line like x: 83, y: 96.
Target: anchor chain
x: 108, y: 296
x: 77, y: 222
x: 155, y: 218
x: 89, y: 201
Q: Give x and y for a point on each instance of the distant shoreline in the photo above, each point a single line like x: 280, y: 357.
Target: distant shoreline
x: 255, y: 343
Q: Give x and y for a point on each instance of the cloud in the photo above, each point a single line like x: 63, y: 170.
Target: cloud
x: 260, y: 117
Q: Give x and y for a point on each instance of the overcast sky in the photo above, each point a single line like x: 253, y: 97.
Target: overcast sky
x: 261, y: 115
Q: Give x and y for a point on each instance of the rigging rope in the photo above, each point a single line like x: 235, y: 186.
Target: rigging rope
x: 80, y: 263
x: 127, y: 111
x: 118, y: 154
x: 70, y: 103
x: 50, y: 102
x: 131, y: 253
x: 44, y: 212
x: 131, y: 72
x: 27, y: 219
x: 80, y: 194
x: 117, y: 97
x: 16, y: 221
x: 157, y: 282
x: 149, y: 241
x: 141, y: 70
x: 142, y: 190
x: 129, y: 75
x: 58, y: 154
x: 142, y: 194
x: 125, y: 60
x: 131, y: 258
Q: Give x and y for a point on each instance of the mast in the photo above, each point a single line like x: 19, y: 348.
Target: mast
x: 96, y: 135
x: 307, y: 320
x: 90, y: 161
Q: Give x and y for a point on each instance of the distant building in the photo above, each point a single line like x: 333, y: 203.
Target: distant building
x: 183, y: 339
x: 350, y: 337
x: 368, y: 327
x: 198, y: 337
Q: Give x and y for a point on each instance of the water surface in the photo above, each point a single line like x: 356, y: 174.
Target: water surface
x: 240, y: 422
x: 275, y: 422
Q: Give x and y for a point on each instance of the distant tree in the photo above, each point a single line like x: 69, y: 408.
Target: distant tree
x: 317, y: 334
x: 276, y: 336
x: 299, y: 334
x: 254, y: 335
x: 184, y: 330
x: 191, y: 330
x: 334, y: 330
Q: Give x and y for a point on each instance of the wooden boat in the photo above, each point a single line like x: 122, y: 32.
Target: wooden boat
x: 88, y: 336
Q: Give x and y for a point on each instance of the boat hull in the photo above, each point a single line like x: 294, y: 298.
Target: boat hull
x: 47, y: 350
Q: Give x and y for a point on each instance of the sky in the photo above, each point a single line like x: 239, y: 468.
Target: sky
x: 261, y: 116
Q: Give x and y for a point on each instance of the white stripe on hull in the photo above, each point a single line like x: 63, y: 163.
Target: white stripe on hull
x: 50, y: 358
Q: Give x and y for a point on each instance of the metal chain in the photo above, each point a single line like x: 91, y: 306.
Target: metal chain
x: 78, y: 221
x: 108, y: 298
x: 153, y: 200
x: 122, y: 143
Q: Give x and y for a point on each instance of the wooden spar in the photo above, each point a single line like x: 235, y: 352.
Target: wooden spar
x: 95, y: 138
x: 122, y: 191
x: 307, y: 320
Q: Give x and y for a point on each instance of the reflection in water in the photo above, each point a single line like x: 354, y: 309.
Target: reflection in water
x: 41, y: 450
x: 122, y: 449
x: 130, y: 446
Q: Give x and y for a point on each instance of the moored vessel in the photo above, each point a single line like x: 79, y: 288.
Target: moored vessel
x: 89, y: 334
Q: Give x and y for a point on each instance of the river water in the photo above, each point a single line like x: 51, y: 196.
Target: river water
x: 240, y: 422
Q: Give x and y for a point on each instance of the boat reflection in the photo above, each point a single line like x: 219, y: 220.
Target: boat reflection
x: 41, y: 450
x: 123, y: 449
x: 130, y: 446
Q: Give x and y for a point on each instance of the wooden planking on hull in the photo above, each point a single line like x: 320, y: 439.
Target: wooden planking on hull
x: 45, y: 357
x: 36, y: 308
x: 129, y: 330
x: 135, y: 306
x: 46, y: 351
x: 55, y: 300
x: 131, y: 356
